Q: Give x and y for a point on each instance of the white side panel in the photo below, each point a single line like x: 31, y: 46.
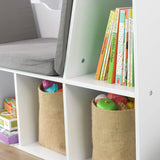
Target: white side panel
x: 27, y: 108
x: 77, y: 105
x: 6, y: 86
x: 147, y: 25
x: 88, y: 24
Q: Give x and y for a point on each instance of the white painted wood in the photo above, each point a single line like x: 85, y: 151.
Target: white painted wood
x: 88, y: 24
x: 42, y: 152
x: 77, y: 103
x: 27, y: 108
x: 147, y: 79
x: 6, y: 86
x: 47, y: 20
x: 34, y: 75
x: 88, y: 81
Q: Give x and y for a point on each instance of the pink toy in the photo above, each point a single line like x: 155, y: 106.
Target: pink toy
x: 117, y: 98
x: 99, y: 97
x: 46, y: 84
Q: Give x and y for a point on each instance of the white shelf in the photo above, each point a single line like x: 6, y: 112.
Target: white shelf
x: 40, y: 151
x: 34, y: 75
x: 88, y: 81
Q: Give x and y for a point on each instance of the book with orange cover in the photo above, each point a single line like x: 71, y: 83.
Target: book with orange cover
x: 98, y: 72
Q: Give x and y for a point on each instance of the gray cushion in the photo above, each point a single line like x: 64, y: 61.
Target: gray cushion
x: 16, y: 21
x: 63, y: 36
x: 36, y: 56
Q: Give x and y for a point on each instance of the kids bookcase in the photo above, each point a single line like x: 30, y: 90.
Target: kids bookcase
x: 88, y: 23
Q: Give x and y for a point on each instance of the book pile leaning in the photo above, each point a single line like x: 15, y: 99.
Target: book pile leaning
x: 116, y: 62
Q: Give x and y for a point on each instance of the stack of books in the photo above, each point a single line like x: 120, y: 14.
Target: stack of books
x: 116, y: 62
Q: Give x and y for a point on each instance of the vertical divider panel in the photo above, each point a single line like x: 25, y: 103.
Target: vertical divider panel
x: 27, y: 108
x: 77, y: 107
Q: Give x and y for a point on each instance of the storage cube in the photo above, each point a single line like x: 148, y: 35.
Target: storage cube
x: 51, y: 121
x: 113, y: 134
x: 8, y: 137
x: 8, y: 121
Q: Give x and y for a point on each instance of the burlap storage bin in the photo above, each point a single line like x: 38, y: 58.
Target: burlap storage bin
x: 51, y: 121
x: 113, y: 134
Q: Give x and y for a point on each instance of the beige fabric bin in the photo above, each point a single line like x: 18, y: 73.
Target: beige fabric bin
x: 51, y: 121
x: 113, y: 134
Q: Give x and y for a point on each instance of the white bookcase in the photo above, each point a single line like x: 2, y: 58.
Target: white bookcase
x: 88, y: 23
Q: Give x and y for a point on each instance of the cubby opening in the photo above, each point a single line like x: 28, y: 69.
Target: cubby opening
x: 28, y: 118
x: 79, y: 124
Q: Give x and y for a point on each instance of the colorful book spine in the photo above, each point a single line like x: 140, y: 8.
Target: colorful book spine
x: 107, y: 52
x: 113, y: 55
x: 125, y: 51
x: 98, y: 72
x: 119, y: 67
x: 129, y: 70
x: 132, y: 76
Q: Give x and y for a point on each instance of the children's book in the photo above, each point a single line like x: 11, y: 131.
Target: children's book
x: 129, y: 67
x: 124, y: 81
x: 119, y: 67
x: 132, y: 76
x: 113, y: 55
x: 98, y: 72
x: 107, y: 52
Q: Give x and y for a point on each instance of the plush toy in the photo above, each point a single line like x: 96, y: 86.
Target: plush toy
x: 106, y: 104
x: 121, y: 106
x: 46, y: 84
x: 99, y: 97
x: 130, y: 105
x: 117, y: 98
x: 52, y: 89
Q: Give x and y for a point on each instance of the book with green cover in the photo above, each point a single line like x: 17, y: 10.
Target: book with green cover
x: 106, y: 37
x: 111, y: 78
x: 107, y: 50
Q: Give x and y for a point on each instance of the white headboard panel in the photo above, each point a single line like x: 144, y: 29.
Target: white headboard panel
x: 47, y: 17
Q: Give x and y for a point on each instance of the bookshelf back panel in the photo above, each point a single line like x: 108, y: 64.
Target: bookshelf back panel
x: 6, y: 86
x: 87, y: 33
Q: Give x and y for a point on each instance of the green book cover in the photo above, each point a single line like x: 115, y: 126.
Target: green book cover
x: 108, y: 33
x: 113, y: 47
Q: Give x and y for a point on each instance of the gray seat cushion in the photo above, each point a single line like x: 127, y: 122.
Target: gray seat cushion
x: 36, y: 55
x: 63, y: 36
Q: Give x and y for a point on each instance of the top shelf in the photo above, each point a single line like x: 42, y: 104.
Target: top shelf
x: 88, y: 81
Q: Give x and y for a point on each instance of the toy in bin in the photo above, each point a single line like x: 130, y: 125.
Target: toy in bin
x: 10, y: 106
x: 51, y: 87
x: 8, y: 121
x: 8, y: 137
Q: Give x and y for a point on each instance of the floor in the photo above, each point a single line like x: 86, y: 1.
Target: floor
x: 11, y: 153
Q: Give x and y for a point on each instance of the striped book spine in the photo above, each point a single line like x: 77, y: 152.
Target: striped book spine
x: 107, y: 52
x: 124, y: 82
x: 132, y: 75
x: 129, y: 50
x: 98, y: 72
x: 120, y: 48
x: 113, y: 56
